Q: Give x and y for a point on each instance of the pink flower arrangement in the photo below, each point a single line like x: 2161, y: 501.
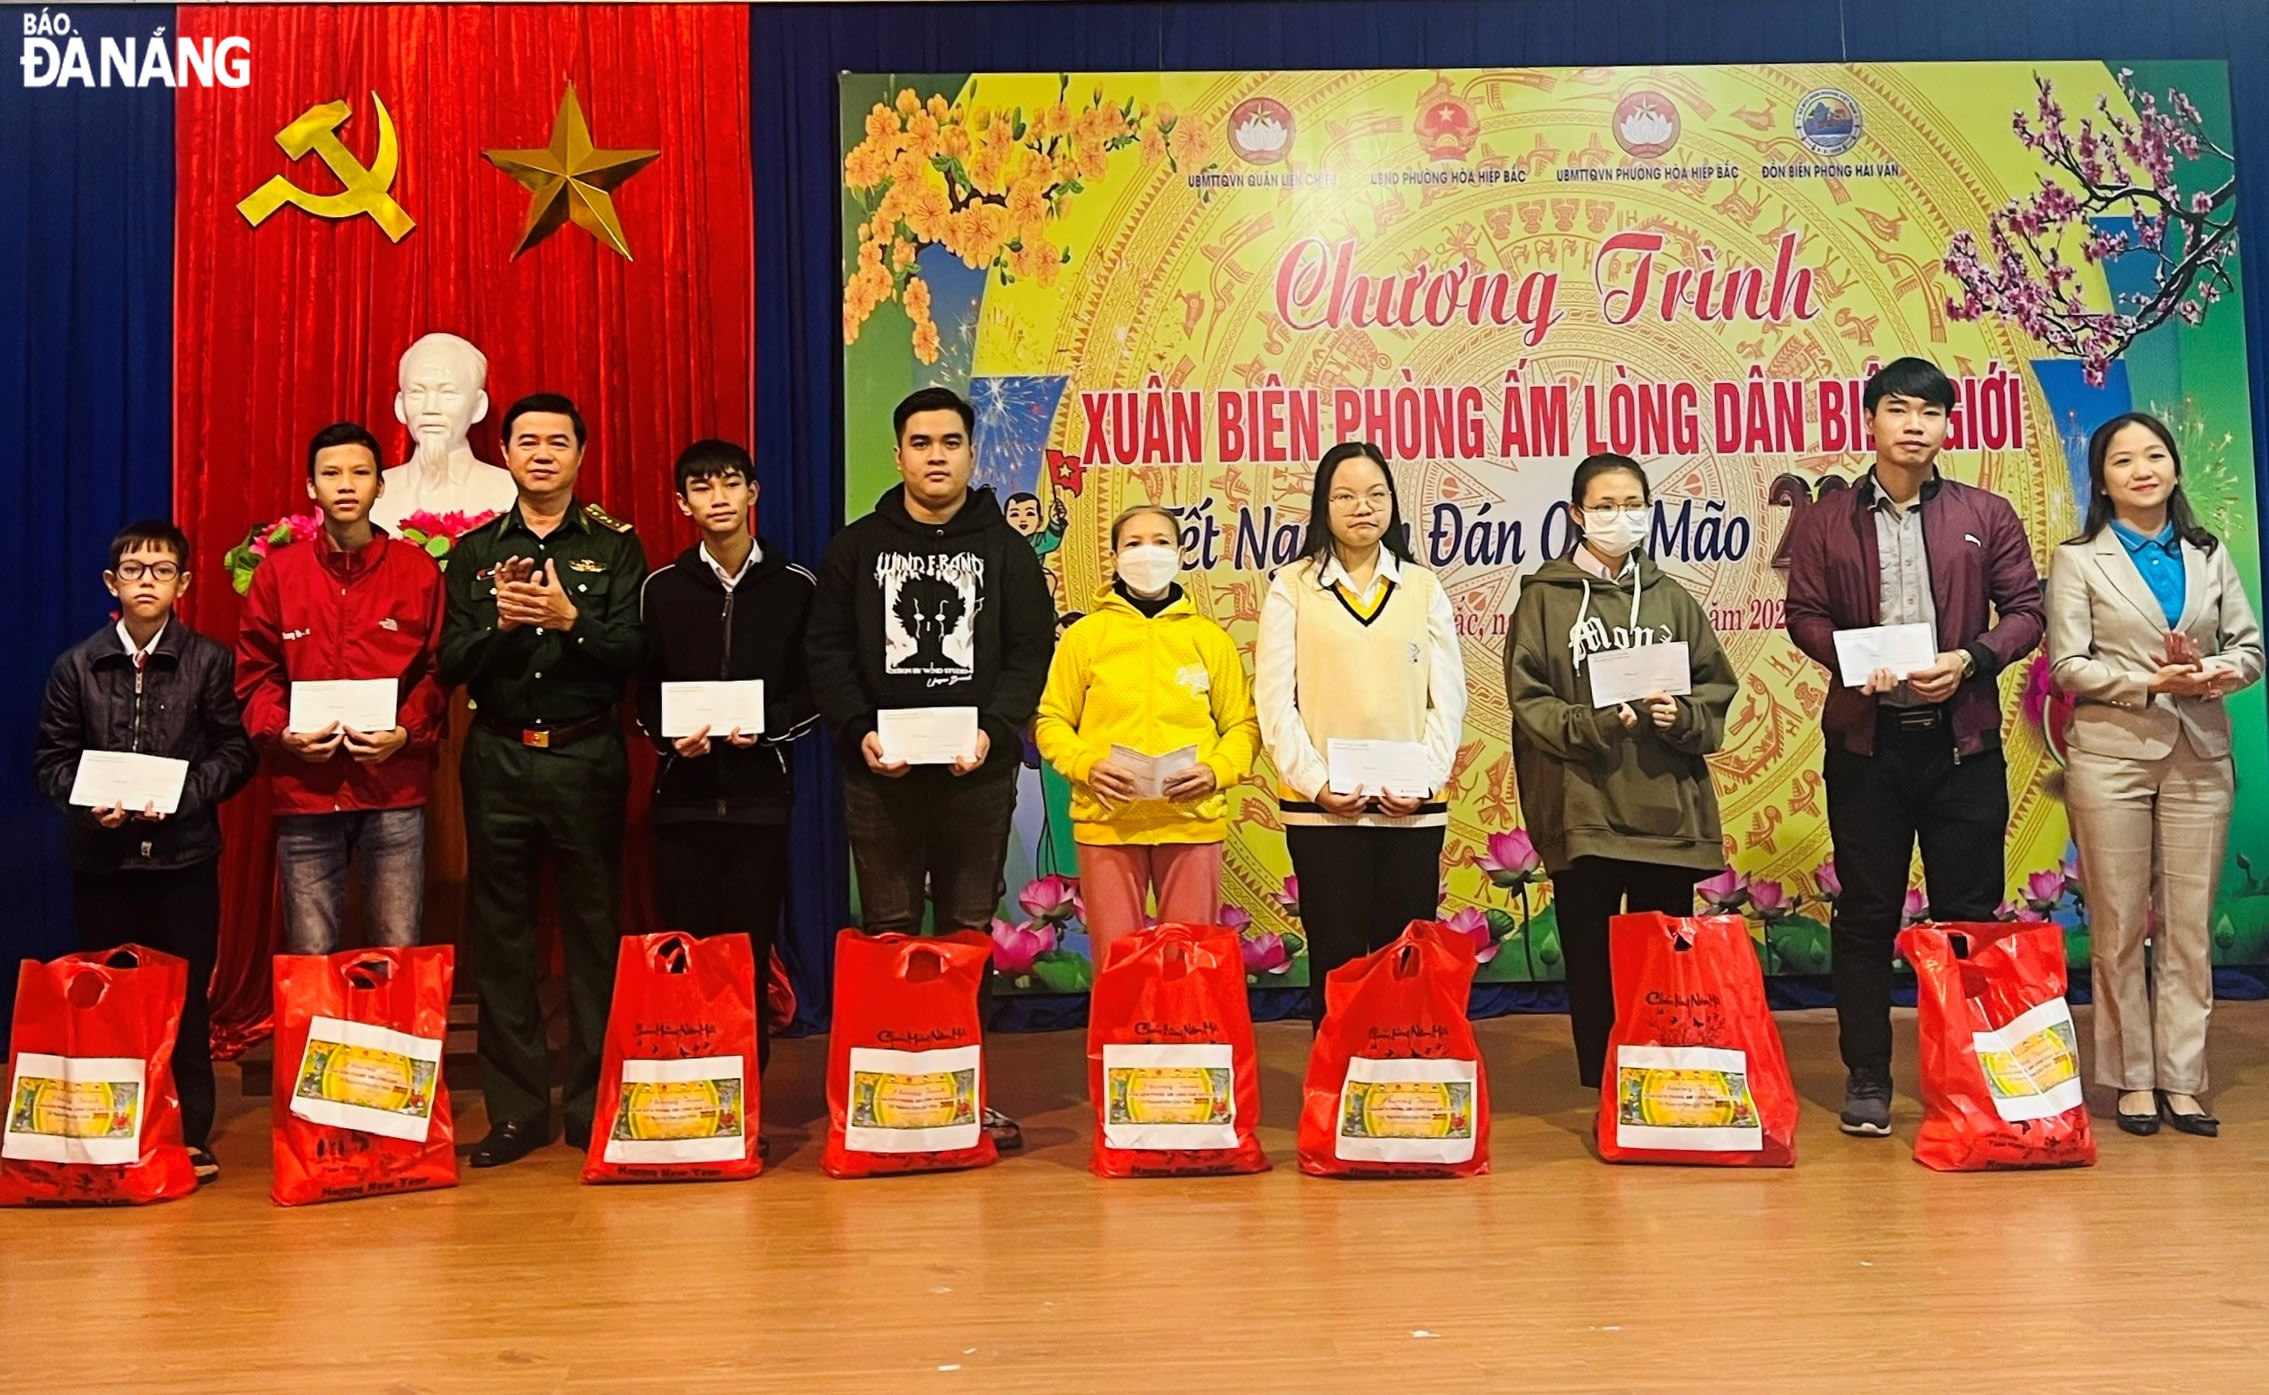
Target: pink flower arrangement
x: 1236, y: 918
x: 1289, y: 898
x: 1474, y: 925
x: 1016, y: 946
x: 435, y: 533
x: 2019, y: 910
x: 1915, y: 910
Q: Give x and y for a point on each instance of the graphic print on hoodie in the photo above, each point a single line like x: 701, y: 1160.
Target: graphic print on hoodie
x: 930, y: 603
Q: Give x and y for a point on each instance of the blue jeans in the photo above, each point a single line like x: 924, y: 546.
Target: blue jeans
x: 312, y: 852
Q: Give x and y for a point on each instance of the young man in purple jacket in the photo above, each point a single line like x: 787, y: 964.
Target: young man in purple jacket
x: 1918, y: 758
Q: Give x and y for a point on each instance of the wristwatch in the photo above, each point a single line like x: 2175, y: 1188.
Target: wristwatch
x: 1969, y: 665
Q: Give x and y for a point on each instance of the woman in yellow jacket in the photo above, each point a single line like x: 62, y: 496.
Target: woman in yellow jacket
x: 1149, y: 715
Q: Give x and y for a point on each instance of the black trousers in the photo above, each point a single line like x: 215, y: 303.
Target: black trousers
x: 1588, y: 892
x: 528, y: 809
x: 1913, y: 790
x: 1358, y: 888
x: 725, y: 878
x: 931, y: 840
x: 178, y: 912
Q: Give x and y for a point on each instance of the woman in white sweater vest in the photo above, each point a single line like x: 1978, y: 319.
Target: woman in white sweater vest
x: 1358, y: 645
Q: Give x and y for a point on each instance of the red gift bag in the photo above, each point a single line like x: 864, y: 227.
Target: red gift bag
x: 1170, y: 1058
x: 360, y: 1107
x: 93, y: 1118
x: 1695, y: 1070
x: 779, y: 992
x: 905, y: 1058
x: 1395, y: 1086
x: 678, y: 1090
x: 2000, y: 1058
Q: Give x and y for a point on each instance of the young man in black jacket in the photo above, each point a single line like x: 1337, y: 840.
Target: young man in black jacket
x: 730, y: 608
x: 147, y: 685
x: 932, y: 600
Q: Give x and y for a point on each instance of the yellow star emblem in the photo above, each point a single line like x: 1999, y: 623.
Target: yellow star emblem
x: 571, y: 179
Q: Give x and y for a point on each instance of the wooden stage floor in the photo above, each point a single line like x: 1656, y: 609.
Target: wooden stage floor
x: 1857, y: 1271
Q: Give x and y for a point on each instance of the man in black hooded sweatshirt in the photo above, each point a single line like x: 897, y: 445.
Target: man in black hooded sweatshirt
x: 932, y: 600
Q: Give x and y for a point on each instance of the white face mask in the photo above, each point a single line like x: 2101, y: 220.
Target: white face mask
x: 1149, y: 568
x: 1615, y: 532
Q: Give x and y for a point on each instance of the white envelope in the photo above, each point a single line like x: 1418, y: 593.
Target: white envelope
x: 1152, y: 772
x: 719, y: 706
x: 1380, y: 767
x: 366, y: 705
x: 927, y: 735
x: 1627, y: 675
x: 1903, y: 649
x: 128, y: 780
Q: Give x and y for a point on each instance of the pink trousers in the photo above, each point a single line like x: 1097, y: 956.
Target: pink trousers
x: 1115, y: 882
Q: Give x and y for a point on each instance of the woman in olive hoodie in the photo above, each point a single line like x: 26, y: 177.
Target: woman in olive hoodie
x: 1618, y: 799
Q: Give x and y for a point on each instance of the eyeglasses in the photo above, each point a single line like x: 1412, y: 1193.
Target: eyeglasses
x: 1379, y: 498
x: 155, y: 571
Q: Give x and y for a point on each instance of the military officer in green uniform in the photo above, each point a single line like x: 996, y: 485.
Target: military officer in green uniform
x: 543, y: 631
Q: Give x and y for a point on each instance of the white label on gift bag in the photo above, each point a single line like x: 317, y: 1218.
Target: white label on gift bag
x: 1406, y: 1111
x: 2032, y: 1066
x: 687, y: 1111
x: 371, y: 1079
x: 1160, y: 1096
x: 914, y: 1101
x: 1685, y: 1099
x: 76, y: 1109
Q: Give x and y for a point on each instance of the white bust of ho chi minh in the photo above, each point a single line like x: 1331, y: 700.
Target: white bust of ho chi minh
x: 442, y: 393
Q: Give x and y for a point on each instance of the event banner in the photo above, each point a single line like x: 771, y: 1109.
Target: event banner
x: 1183, y: 288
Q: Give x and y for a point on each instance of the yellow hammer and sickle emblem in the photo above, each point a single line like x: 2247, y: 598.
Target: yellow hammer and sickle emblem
x: 317, y: 132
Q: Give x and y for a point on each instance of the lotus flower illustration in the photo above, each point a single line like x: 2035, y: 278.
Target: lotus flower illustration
x: 1474, y: 925
x: 1727, y: 891
x: 1648, y: 125
x: 1016, y: 946
x: 1265, y: 953
x: 1262, y: 133
x: 1510, y: 860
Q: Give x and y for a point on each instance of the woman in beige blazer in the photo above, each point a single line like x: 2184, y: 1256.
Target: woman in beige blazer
x: 2149, y: 629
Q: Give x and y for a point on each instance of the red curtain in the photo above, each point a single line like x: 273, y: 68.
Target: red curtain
x: 302, y: 320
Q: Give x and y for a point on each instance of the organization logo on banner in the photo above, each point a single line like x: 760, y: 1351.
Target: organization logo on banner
x: 1828, y: 121
x: 1260, y: 130
x: 54, y: 56
x: 1447, y: 127
x: 1646, y: 125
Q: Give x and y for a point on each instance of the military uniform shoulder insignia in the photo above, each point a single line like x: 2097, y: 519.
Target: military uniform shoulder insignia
x: 604, y: 519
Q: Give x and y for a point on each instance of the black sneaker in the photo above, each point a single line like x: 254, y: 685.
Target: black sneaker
x: 204, y: 1166
x: 1006, y: 1134
x: 1867, y: 1106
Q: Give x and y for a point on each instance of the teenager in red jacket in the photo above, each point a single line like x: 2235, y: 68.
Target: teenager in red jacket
x: 1912, y: 757
x: 350, y: 603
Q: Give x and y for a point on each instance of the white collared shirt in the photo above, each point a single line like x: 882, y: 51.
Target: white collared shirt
x: 1588, y: 561
x: 141, y: 655
x: 1276, y: 689
x: 1334, y: 574
x: 732, y: 579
